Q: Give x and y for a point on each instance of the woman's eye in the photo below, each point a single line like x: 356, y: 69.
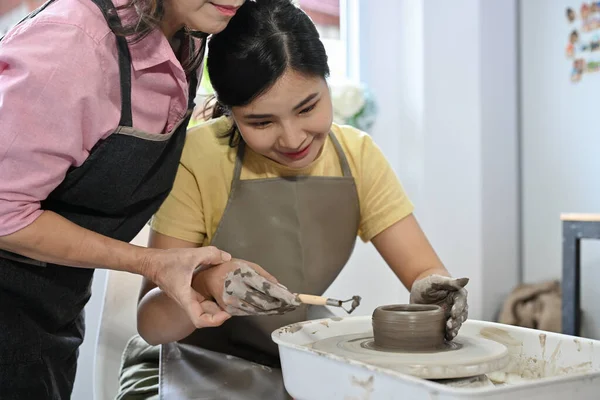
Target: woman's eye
x: 308, y: 109
x: 261, y: 124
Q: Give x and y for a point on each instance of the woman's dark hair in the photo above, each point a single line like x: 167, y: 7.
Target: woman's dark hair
x: 262, y: 41
x: 149, y: 16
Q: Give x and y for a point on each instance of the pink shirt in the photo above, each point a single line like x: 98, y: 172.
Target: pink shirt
x: 60, y: 95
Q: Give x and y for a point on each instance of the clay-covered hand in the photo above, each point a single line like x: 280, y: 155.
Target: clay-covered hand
x: 448, y: 293
x: 243, y: 288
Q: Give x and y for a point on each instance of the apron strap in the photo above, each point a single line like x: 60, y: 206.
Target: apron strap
x: 32, y: 14
x: 239, y: 158
x: 112, y: 18
x: 342, y: 156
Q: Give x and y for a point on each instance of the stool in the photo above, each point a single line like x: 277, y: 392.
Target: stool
x: 575, y: 227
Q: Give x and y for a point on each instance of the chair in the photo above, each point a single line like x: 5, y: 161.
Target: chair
x: 117, y: 326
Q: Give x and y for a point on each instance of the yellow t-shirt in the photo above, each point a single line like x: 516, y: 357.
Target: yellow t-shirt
x: 194, y: 207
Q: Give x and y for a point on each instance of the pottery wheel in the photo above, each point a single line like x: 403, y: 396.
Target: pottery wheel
x: 465, y: 356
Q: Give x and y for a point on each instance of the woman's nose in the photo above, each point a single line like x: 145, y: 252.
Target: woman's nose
x: 291, y: 137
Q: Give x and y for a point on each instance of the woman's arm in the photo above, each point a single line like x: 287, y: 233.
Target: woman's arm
x: 162, y: 320
x: 407, y: 251
x: 54, y: 239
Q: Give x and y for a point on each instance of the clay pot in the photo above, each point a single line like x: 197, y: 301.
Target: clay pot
x: 409, y: 327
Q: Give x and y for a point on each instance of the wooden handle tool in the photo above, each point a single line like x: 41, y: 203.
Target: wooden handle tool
x: 325, y: 301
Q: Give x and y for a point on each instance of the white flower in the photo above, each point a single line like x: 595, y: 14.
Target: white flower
x: 347, y: 98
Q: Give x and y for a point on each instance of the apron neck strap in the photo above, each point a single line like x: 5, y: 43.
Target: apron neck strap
x: 112, y: 18
x: 239, y: 159
x: 346, y: 172
x: 241, y: 148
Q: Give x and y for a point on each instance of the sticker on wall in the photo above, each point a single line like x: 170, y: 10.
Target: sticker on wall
x: 583, y: 40
x: 590, y: 16
x: 573, y: 41
x: 571, y: 15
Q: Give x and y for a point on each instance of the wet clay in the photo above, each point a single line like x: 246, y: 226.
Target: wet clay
x: 409, y: 327
x: 245, y: 292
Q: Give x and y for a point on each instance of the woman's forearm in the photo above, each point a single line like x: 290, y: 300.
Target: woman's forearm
x: 160, y: 319
x: 407, y: 251
x: 431, y: 271
x: 54, y: 239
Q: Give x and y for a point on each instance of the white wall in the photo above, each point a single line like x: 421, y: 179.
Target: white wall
x: 444, y: 74
x: 500, y: 152
x: 470, y: 177
x: 560, y: 149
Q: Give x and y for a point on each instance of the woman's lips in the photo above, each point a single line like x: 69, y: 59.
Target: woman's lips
x: 298, y: 155
x: 228, y: 11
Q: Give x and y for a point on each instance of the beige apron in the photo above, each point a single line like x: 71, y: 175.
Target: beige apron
x: 300, y: 229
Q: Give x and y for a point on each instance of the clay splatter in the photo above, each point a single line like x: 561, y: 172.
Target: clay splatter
x: 543, y: 342
x: 500, y: 336
x: 367, y: 384
x: 292, y: 329
x: 542, y: 338
x: 555, y: 353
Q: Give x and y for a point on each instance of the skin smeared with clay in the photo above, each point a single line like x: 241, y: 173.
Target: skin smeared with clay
x: 245, y: 292
x: 448, y: 293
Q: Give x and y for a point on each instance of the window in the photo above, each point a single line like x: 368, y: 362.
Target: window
x: 326, y: 16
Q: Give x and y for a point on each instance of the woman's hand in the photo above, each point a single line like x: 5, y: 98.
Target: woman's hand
x: 243, y: 288
x: 449, y: 293
x: 172, y: 270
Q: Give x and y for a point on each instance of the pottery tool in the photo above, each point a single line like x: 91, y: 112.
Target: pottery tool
x: 326, y: 301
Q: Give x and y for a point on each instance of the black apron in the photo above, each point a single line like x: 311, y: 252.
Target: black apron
x: 114, y: 192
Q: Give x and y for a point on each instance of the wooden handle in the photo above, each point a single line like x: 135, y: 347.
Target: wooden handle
x: 313, y: 300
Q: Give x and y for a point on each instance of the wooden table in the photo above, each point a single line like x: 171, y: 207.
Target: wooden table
x: 575, y: 227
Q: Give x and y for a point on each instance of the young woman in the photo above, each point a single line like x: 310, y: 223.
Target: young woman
x: 274, y: 182
x: 94, y: 104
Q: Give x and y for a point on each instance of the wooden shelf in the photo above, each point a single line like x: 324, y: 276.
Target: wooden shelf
x: 580, y: 217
